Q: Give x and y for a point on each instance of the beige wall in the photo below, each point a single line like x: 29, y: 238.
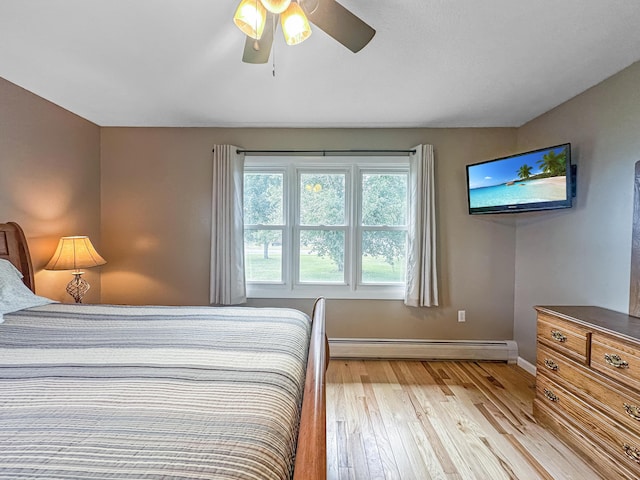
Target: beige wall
x: 49, y: 180
x: 148, y: 190
x: 582, y: 256
x: 156, y: 220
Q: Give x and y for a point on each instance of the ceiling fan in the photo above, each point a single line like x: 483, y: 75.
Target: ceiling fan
x: 257, y: 20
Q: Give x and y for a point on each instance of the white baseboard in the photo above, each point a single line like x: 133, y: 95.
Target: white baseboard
x: 498, y: 350
x: 529, y: 367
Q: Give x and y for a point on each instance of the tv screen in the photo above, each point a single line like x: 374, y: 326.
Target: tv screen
x: 537, y: 180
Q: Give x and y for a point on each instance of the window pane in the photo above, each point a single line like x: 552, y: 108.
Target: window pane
x: 383, y: 256
x: 263, y: 199
x: 263, y: 255
x: 322, y: 199
x: 321, y: 256
x: 384, y: 199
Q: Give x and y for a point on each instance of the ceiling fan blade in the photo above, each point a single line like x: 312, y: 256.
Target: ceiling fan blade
x: 340, y: 23
x: 258, y: 51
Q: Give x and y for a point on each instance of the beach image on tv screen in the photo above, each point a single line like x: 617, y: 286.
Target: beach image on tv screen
x: 534, y: 177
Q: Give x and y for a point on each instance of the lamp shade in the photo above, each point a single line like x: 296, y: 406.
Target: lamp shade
x: 295, y: 25
x: 276, y: 6
x: 74, y: 253
x: 250, y: 18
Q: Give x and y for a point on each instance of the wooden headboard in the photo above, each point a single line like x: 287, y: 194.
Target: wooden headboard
x: 13, y: 247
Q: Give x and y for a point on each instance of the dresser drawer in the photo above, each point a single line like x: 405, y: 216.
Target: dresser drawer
x: 619, y: 402
x: 563, y: 336
x: 620, y: 444
x: 616, y: 359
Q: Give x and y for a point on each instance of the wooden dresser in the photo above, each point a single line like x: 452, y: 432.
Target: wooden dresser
x: 588, y: 384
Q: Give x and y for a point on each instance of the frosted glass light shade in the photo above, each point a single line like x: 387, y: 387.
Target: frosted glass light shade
x: 74, y: 253
x: 250, y: 18
x: 276, y: 6
x: 295, y: 25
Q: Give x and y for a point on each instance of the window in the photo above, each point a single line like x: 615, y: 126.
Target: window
x: 336, y: 228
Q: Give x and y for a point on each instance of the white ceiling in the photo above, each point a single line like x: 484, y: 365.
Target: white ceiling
x: 432, y: 63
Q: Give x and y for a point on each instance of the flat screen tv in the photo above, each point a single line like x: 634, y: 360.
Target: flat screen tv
x: 541, y: 179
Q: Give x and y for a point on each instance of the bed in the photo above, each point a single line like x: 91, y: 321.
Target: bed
x: 105, y: 391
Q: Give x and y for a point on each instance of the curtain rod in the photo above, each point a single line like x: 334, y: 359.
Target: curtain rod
x: 324, y: 153
x: 329, y: 152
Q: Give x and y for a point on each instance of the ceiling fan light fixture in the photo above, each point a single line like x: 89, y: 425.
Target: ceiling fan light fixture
x: 295, y: 25
x: 250, y: 18
x: 276, y: 6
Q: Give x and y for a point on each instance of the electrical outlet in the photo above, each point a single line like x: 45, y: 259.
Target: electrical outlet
x: 462, y: 316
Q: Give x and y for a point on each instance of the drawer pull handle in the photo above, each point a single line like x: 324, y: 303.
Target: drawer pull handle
x: 632, y: 410
x: 550, y: 395
x: 558, y: 336
x: 550, y: 364
x: 615, y: 360
x: 632, y: 453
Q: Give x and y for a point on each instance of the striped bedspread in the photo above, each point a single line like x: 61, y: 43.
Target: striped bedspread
x: 110, y: 392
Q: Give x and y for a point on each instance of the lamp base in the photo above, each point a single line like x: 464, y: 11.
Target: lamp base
x: 77, y: 287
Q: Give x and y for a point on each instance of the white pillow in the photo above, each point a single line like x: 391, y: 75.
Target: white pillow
x: 14, y: 294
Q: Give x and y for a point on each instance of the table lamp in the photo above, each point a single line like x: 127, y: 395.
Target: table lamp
x: 74, y: 253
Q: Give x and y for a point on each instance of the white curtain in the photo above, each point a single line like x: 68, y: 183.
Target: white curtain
x: 422, y: 281
x: 227, y: 228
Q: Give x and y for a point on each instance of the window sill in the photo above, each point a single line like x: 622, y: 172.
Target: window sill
x: 327, y: 291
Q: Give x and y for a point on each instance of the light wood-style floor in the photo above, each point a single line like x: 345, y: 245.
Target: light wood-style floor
x: 439, y: 420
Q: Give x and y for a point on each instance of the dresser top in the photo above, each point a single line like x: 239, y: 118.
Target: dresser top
x: 600, y: 318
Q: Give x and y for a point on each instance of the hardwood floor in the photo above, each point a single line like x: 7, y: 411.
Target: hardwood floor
x: 439, y: 420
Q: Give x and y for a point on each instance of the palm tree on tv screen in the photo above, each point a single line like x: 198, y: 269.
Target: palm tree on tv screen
x: 554, y: 164
x: 524, y: 171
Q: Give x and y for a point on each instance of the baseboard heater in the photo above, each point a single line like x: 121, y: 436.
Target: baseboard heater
x: 488, y: 350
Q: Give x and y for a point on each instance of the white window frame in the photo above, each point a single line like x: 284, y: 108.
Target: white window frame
x: 292, y: 167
